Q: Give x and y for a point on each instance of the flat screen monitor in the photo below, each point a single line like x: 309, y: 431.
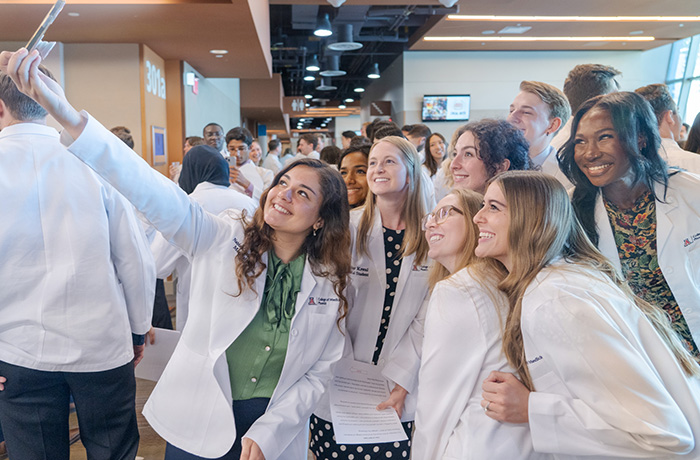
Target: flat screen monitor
x: 446, y: 107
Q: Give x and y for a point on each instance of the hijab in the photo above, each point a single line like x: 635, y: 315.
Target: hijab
x: 203, y: 163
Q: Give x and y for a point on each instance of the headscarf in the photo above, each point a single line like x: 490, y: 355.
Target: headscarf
x: 203, y: 163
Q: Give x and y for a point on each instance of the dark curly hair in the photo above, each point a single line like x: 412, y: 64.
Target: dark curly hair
x: 497, y: 140
x: 328, y: 252
x: 638, y: 133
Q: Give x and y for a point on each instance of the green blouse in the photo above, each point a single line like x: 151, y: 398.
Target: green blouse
x: 635, y: 238
x: 255, y: 359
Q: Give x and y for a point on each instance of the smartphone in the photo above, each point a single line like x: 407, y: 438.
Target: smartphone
x: 44, y: 26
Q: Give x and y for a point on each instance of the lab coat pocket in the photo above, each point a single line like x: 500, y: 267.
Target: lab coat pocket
x: 319, y: 329
x: 546, y: 381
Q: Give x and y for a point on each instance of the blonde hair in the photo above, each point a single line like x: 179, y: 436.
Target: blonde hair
x: 413, y: 209
x: 543, y: 227
x: 469, y: 203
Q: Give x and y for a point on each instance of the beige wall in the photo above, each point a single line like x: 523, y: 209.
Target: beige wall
x: 153, y: 103
x: 104, y: 79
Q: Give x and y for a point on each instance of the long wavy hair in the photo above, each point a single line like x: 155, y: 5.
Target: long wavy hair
x: 328, y: 252
x: 543, y: 227
x: 637, y: 131
x: 412, y: 212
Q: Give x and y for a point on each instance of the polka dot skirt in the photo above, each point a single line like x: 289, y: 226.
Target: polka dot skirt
x: 392, y: 244
x: 324, y: 447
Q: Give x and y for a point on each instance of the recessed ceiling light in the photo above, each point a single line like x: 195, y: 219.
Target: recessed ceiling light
x: 308, y: 96
x: 514, y: 29
x: 342, y: 106
x: 348, y: 100
x: 218, y: 51
x: 488, y: 32
x: 74, y: 14
x: 359, y: 90
x: 219, y: 56
x: 637, y: 32
x: 538, y: 39
x: 464, y: 17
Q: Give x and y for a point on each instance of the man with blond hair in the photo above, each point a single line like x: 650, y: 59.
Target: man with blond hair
x: 539, y: 111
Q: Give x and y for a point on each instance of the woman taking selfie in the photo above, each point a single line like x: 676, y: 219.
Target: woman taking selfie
x: 257, y: 351
x: 462, y: 344
x: 390, y: 278
x: 640, y: 214
x: 602, y: 372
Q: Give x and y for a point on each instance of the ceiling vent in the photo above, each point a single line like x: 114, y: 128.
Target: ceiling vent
x: 326, y: 85
x: 332, y: 67
x: 345, y: 41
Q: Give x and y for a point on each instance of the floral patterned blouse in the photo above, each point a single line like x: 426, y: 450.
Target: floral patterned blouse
x: 635, y: 238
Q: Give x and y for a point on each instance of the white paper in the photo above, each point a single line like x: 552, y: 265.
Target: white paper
x: 356, y: 390
x: 156, y: 356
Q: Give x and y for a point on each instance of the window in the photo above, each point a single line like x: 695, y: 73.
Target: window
x: 683, y: 77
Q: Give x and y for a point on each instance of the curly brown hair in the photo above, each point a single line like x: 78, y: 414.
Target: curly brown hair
x: 328, y: 252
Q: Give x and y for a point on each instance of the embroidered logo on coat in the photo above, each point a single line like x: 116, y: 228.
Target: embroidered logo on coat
x: 312, y: 301
x: 690, y: 240
x: 534, y: 360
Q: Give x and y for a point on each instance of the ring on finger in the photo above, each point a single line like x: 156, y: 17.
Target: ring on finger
x: 486, y: 409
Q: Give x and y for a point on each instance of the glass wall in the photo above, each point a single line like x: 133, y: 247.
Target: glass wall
x: 683, y: 77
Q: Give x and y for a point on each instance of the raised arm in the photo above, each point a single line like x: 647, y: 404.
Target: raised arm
x: 162, y: 202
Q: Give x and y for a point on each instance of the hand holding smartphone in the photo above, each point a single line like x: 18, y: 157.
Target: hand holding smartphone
x: 35, y: 42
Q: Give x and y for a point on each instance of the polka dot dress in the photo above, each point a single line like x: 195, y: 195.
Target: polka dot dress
x: 392, y: 244
x: 324, y: 447
x: 322, y: 442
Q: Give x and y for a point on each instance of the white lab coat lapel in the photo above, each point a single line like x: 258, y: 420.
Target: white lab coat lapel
x: 308, y: 283
x: 231, y: 317
x: 400, y: 318
x: 606, y: 240
x: 665, y: 216
x: 376, y: 247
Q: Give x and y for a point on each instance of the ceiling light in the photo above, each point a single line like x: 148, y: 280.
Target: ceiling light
x: 637, y: 32
x: 539, y: 39
x: 359, y: 90
x: 332, y: 67
x: 488, y: 32
x: 464, y: 17
x: 342, y: 106
x: 323, y: 125
x: 323, y: 27
x: 374, y: 72
x: 326, y: 85
x: 74, y: 14
x: 218, y: 51
x: 514, y: 29
x: 349, y: 100
x: 308, y: 96
x: 312, y: 65
x: 336, y: 3
x: 345, y: 40
x: 448, y: 3
x: 309, y: 77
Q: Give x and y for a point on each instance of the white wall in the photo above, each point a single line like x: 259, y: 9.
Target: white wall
x: 218, y: 101
x: 388, y: 88
x: 492, y: 77
x: 351, y: 123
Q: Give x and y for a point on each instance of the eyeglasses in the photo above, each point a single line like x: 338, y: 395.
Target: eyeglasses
x: 439, y: 216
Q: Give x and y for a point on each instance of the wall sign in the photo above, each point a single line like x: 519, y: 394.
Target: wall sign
x: 155, y: 80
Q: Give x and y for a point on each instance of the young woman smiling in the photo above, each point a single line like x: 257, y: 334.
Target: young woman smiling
x: 640, y: 214
x: 602, y: 372
x: 462, y: 344
x: 483, y: 149
x: 390, y: 279
x: 353, y: 169
x: 257, y: 350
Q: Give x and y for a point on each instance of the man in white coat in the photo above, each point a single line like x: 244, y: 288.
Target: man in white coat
x: 670, y: 124
x: 76, y: 294
x: 246, y: 177
x: 539, y: 111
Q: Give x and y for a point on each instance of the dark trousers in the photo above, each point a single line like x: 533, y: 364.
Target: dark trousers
x: 34, y: 412
x: 161, y: 312
x: 246, y: 413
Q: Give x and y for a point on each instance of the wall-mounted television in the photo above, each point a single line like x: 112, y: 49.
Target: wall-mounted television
x: 446, y: 107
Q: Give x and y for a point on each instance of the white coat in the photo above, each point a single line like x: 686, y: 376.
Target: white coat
x: 461, y: 346
x: 190, y: 406
x: 400, y: 356
x: 677, y: 242
x: 261, y: 179
x: 551, y: 166
x: 606, y: 385
x: 674, y: 155
x: 214, y: 199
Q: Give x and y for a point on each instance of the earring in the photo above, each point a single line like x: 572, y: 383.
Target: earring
x: 315, y: 230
